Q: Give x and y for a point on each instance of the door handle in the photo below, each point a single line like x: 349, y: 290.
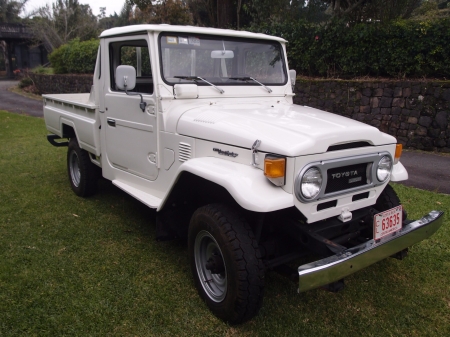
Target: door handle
x: 111, y: 122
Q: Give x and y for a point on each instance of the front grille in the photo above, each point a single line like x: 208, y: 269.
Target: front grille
x: 326, y: 205
x: 360, y: 196
x: 346, y: 177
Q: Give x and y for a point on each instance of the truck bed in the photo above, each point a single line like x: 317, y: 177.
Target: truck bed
x: 81, y: 100
x: 77, y: 112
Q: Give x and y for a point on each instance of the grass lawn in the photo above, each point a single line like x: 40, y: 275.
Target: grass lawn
x: 91, y: 267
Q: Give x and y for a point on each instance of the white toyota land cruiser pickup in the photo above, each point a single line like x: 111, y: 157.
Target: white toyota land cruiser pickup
x: 200, y: 124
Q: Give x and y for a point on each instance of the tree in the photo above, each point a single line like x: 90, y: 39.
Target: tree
x: 10, y: 10
x: 175, y: 12
x: 432, y: 9
x: 220, y: 13
x: 372, y: 10
x: 9, y: 13
x: 64, y: 21
x: 203, y: 12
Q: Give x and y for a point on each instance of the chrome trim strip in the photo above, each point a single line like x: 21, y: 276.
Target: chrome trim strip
x: 324, y: 166
x: 336, y: 267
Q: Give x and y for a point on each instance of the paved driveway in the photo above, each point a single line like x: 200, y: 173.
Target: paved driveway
x: 427, y: 171
x: 16, y: 103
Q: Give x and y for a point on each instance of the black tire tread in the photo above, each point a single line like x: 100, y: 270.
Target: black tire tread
x: 89, y: 172
x: 388, y: 199
x: 245, y: 251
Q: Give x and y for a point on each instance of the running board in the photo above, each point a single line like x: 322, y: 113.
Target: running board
x: 148, y: 199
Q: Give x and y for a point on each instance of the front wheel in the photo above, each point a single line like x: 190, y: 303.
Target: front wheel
x: 388, y: 199
x: 83, y: 175
x: 226, y: 264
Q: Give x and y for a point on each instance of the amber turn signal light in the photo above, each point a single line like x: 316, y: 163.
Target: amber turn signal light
x: 274, y: 167
x: 398, y: 153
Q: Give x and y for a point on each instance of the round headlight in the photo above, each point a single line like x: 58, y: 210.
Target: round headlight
x: 311, y: 183
x: 384, y: 168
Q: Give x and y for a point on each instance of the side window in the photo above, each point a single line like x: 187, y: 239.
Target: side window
x: 135, y: 54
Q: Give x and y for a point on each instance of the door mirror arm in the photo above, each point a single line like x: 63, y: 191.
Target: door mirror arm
x: 143, y: 104
x: 126, y: 77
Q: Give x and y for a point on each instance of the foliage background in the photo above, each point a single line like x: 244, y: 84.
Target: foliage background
x: 75, y: 57
x: 411, y: 48
x: 333, y: 38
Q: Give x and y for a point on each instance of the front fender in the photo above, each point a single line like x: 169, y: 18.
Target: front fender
x: 246, y: 184
x: 399, y: 173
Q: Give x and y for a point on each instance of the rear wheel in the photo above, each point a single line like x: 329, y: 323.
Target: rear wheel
x: 225, y: 263
x: 83, y: 175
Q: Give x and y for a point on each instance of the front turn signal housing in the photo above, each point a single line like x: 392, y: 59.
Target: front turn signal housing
x: 398, y: 153
x: 275, y: 169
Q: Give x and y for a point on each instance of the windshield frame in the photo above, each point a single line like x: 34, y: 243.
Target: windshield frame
x: 228, y: 39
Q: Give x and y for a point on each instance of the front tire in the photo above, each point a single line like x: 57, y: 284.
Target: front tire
x: 388, y: 199
x: 226, y: 264
x: 83, y: 174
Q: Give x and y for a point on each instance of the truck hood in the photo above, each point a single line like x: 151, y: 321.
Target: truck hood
x: 290, y: 130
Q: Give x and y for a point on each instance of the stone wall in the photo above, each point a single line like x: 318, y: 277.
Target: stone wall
x: 416, y: 113
x: 62, y: 84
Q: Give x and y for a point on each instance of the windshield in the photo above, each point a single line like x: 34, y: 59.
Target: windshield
x: 221, y: 60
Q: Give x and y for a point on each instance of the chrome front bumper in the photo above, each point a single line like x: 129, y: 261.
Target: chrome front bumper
x: 336, y: 267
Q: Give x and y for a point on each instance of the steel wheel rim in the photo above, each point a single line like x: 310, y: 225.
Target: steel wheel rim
x: 215, y: 285
x: 74, y: 168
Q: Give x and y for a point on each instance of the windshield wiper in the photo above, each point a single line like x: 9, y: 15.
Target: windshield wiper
x: 196, y: 78
x: 247, y: 78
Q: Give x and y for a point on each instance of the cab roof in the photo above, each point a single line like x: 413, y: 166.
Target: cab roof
x: 127, y: 30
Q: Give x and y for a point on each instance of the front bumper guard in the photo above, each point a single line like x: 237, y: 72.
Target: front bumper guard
x: 333, y: 268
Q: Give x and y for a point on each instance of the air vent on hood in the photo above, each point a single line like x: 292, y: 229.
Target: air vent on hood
x: 210, y: 117
x: 184, y: 152
x: 347, y: 146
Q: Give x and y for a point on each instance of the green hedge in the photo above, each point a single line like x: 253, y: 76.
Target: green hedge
x: 75, y: 57
x: 398, y: 49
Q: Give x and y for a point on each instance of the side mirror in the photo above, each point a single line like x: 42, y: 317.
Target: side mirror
x: 126, y: 80
x: 125, y: 77
x: 293, y: 76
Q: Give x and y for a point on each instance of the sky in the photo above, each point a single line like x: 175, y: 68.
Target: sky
x: 111, y: 5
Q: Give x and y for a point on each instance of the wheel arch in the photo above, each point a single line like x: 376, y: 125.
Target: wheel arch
x: 196, y: 188
x: 245, y: 185
x: 68, y: 129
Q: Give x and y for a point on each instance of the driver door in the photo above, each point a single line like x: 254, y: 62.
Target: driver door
x: 131, y: 140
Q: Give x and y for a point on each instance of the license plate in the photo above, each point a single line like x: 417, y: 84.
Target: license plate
x: 387, y: 222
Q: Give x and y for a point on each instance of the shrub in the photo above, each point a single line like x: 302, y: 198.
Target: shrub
x: 401, y: 48
x: 42, y: 70
x: 25, y: 82
x: 75, y: 57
